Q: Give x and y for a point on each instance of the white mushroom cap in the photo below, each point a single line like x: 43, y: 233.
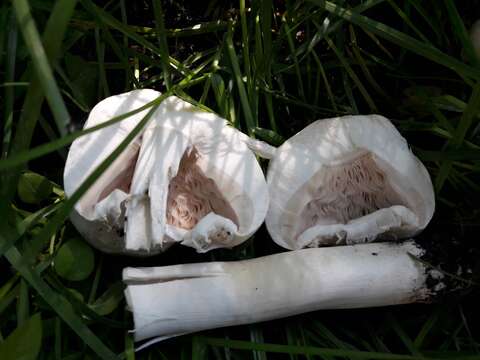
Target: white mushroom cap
x: 218, y: 199
x: 347, y: 180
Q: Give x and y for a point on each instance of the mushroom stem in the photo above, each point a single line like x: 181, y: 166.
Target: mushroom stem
x: 261, y: 148
x: 174, y: 300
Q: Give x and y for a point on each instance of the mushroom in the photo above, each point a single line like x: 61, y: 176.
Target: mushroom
x: 347, y: 180
x: 188, y: 177
x: 174, y: 300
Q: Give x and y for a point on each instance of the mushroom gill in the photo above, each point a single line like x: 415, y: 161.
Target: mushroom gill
x: 192, y: 195
x: 123, y: 179
x: 348, y: 191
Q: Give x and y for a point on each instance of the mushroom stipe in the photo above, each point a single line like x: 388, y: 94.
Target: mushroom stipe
x: 174, y: 300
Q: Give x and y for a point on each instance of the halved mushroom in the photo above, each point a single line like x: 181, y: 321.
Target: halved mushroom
x: 188, y: 177
x: 347, y: 180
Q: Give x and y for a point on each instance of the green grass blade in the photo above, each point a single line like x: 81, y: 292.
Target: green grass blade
x: 15, y: 348
x: 104, y: 89
x: 291, y: 46
x: 407, y: 20
x: 6, y: 287
x: 353, y: 76
x: 58, y: 304
x: 27, y: 224
x: 328, y: 88
x: 306, y: 48
x: 162, y: 41
x: 306, y: 350
x: 9, y: 298
x: 63, y: 212
x: 23, y: 304
x: 426, y: 329
x: 245, y: 43
x: 52, y: 36
x: 403, y: 335
x: 11, y: 54
x: 461, y: 32
x: 199, y: 349
x: 128, y: 75
x: 471, y: 111
x: 110, y: 21
x: 247, y: 111
x: 266, y: 30
x: 58, y: 339
x: 52, y: 146
x: 41, y: 63
x: 401, y: 39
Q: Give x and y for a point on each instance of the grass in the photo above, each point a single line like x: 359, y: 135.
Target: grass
x: 270, y: 68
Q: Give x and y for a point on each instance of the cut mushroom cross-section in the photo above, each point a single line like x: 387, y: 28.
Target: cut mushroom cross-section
x: 347, y: 180
x: 189, y: 177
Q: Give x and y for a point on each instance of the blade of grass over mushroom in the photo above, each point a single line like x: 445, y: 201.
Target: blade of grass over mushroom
x: 401, y: 39
x: 305, y: 350
x: 52, y: 146
x: 162, y: 41
x: 64, y: 211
